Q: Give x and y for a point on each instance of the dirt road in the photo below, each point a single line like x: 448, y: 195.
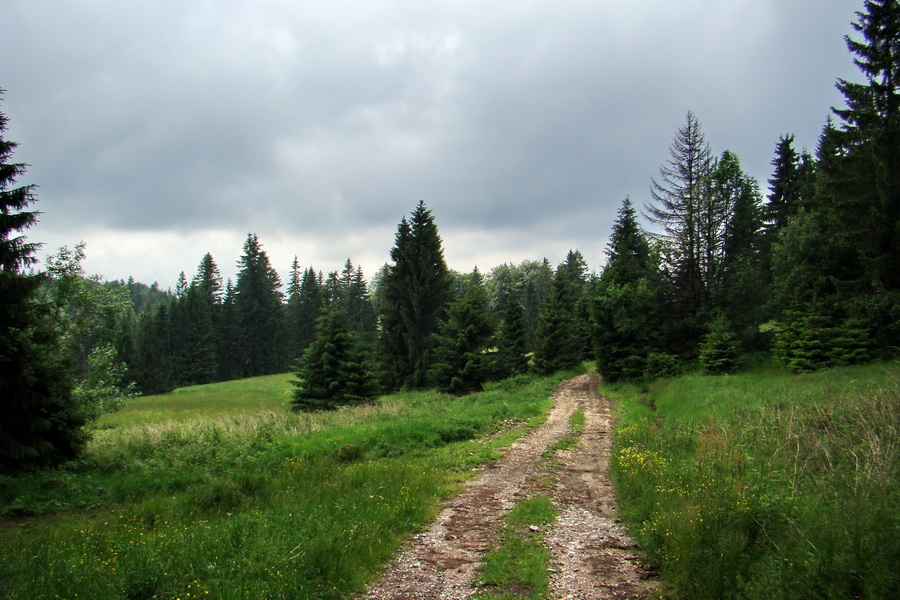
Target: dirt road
x: 592, y: 556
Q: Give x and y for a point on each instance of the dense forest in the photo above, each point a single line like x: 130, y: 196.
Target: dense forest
x: 717, y: 273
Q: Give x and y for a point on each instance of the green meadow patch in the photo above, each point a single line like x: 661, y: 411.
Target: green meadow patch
x: 221, y: 492
x: 518, y: 569
x: 765, y: 484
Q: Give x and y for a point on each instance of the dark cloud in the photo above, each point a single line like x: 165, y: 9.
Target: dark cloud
x: 319, y: 125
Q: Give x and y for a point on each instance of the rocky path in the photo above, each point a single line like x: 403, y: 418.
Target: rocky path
x: 592, y: 556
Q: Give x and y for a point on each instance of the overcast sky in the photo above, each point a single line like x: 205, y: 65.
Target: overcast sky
x: 160, y: 130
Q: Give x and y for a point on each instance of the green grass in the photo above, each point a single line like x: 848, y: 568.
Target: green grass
x: 221, y: 492
x: 245, y: 396
x: 765, y: 484
x: 518, y: 569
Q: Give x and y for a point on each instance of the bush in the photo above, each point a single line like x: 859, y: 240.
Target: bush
x: 660, y: 364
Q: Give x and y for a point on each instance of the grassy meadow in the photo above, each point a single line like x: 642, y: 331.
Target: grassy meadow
x: 765, y: 484
x: 219, y: 491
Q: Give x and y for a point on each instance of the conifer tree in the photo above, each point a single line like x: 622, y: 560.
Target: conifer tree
x: 152, y: 369
x: 461, y: 365
x: 872, y: 128
x: 739, y: 286
x: 628, y: 309
x: 41, y: 422
x: 198, y: 336
x: 310, y: 308
x: 257, y: 306
x: 512, y: 340
x: 416, y: 291
x: 558, y: 346
x: 628, y: 251
x: 294, y: 312
x: 784, y: 186
x: 680, y: 207
x: 334, y: 370
x: 230, y: 337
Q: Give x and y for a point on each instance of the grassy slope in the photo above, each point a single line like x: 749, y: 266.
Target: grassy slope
x: 219, y: 491
x: 766, y: 484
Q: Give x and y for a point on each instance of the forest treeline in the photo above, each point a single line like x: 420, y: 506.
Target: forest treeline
x: 709, y: 271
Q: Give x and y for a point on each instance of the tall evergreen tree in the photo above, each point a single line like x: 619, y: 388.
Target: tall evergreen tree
x: 628, y: 251
x: 199, y: 338
x: 230, y: 337
x: 739, y: 286
x: 872, y: 129
x: 784, y: 186
x: 311, y: 302
x: 41, y: 422
x: 152, y: 369
x: 512, y: 340
x: 461, y: 365
x: 257, y: 304
x: 680, y: 207
x: 628, y: 310
x: 417, y: 288
x: 294, y: 312
x: 558, y: 346
x: 209, y: 280
x: 537, y: 283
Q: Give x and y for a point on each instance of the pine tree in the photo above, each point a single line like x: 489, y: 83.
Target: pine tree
x: 537, y: 283
x: 199, y: 338
x: 41, y: 422
x: 784, y: 186
x: 257, y: 305
x: 512, y: 340
x: 416, y: 291
x: 558, y: 346
x: 628, y: 251
x: 872, y: 128
x: 230, y: 337
x: 461, y: 364
x: 311, y: 302
x: 681, y: 208
x: 152, y: 370
x: 334, y: 370
x: 628, y: 308
x: 294, y: 312
x: 739, y: 286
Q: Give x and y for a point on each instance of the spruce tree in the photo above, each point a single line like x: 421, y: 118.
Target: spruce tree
x: 628, y: 309
x: 558, y: 346
x: 152, y: 369
x: 680, y: 207
x: 257, y: 306
x: 416, y: 291
x: 512, y: 340
x: 41, y: 423
x: 334, y: 370
x: 230, y: 337
x: 784, y: 186
x: 628, y: 251
x: 310, y: 308
x: 461, y: 364
x: 200, y: 363
x: 739, y: 286
x: 872, y: 128
x: 293, y: 312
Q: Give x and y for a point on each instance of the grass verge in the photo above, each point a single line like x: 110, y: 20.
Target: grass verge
x: 222, y: 500
x: 765, y: 484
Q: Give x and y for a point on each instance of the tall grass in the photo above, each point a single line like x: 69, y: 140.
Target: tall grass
x: 766, y: 484
x: 248, y: 502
